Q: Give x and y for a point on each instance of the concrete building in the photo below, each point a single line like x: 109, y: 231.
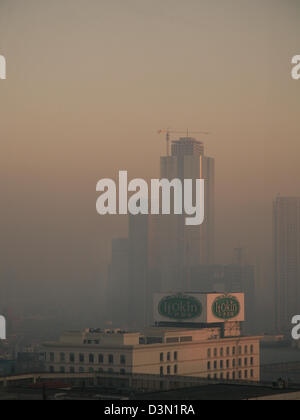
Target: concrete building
x: 286, y: 251
x: 196, y: 335
x: 160, y: 351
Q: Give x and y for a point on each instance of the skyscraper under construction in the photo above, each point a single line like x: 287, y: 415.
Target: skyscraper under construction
x: 175, y: 247
x: 161, y: 250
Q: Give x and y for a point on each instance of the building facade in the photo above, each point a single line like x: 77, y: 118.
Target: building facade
x: 171, y: 351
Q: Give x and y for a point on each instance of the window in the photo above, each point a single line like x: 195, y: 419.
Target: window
x: 227, y: 376
x: 221, y: 376
x: 91, y: 358
x: 161, y: 357
x: 233, y: 351
x: 51, y: 357
x: 62, y: 369
x: 91, y: 370
x: 72, y: 357
x: 122, y: 371
x: 175, y: 355
x: 81, y: 370
x: 252, y: 373
x: 208, y: 366
x: 175, y: 370
x: 161, y: 371
x: 233, y: 363
x: 240, y: 374
x: 168, y: 370
x: 72, y: 369
x: 227, y: 364
x: 172, y: 340
x: 81, y: 358
x: 251, y: 361
x: 233, y: 375
x: 51, y: 369
x: 240, y: 349
x: 122, y: 359
x: 221, y: 364
x: 152, y: 340
x: 221, y: 352
x: 215, y: 352
x: 62, y: 357
x: 110, y: 359
x: 215, y: 365
x: 246, y: 361
x: 228, y: 351
x: 185, y: 339
x: 208, y: 377
x: 251, y: 349
x: 240, y: 362
x: 246, y: 349
x: 246, y: 374
x: 168, y: 356
x: 215, y: 376
x: 100, y: 358
x: 209, y: 353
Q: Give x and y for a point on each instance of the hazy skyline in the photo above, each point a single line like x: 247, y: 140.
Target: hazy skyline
x: 88, y: 85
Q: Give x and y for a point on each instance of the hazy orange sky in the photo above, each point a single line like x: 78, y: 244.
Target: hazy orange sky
x: 89, y: 84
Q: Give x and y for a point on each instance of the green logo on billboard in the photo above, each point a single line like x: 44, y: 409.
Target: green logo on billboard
x: 180, y: 307
x: 226, y: 307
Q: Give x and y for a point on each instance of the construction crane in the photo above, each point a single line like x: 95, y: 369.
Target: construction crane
x: 168, y: 131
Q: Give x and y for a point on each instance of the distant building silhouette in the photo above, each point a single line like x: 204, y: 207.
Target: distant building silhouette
x: 138, y: 270
x: 286, y: 252
x: 118, y: 283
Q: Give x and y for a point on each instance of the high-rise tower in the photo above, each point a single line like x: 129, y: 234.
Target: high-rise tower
x: 286, y: 251
x: 177, y: 247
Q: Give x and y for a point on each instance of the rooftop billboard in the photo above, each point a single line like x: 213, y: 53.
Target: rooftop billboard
x: 199, y: 307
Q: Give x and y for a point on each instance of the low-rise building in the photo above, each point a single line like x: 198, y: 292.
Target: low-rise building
x: 195, y: 335
x: 204, y: 353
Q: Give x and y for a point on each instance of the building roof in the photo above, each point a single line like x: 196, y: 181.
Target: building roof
x: 216, y: 392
